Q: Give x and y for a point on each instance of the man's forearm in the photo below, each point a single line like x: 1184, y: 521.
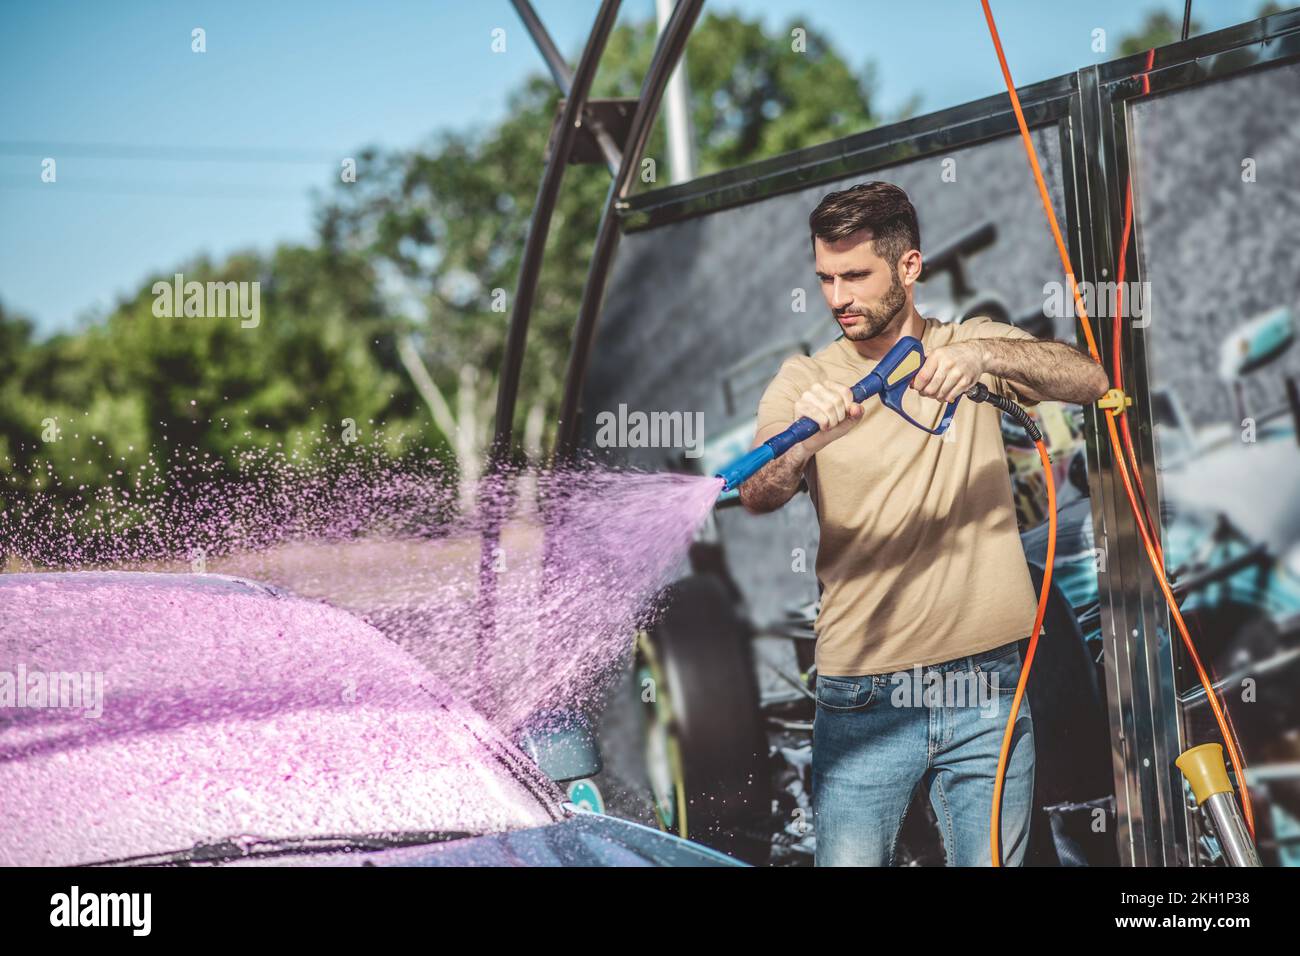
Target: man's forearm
x: 1049, y: 371
x: 776, y: 482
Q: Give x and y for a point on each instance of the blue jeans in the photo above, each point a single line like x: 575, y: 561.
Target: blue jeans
x: 878, y: 736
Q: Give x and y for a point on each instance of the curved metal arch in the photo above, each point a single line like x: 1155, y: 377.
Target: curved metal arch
x: 576, y: 89
x: 672, y: 41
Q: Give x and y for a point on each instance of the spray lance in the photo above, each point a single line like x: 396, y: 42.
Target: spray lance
x: 890, y: 379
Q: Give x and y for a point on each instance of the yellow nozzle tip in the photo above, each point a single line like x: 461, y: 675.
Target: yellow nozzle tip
x: 1203, y: 767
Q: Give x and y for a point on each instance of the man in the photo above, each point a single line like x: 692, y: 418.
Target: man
x: 924, y: 583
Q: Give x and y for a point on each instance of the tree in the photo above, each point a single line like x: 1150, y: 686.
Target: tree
x: 1158, y: 29
x: 1161, y: 29
x: 142, y: 391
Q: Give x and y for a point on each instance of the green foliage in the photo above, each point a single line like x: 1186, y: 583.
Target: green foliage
x: 1161, y: 28
x: 1158, y: 29
x: 141, y: 386
x: 756, y: 96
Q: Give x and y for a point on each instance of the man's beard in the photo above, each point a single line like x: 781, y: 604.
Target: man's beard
x: 876, y: 320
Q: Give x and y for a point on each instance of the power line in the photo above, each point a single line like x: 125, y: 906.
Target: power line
x: 104, y: 187
x: 183, y: 154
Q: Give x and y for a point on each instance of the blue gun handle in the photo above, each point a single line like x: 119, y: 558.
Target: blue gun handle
x: 892, y: 396
x: 895, y: 402
x: 805, y: 427
x: 801, y: 430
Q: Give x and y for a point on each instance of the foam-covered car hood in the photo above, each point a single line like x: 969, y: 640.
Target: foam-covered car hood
x: 228, y: 709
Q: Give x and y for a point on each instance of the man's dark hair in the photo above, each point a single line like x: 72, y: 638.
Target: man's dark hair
x: 880, y: 207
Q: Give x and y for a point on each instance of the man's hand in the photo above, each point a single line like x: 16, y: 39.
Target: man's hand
x: 832, y: 407
x: 950, y: 370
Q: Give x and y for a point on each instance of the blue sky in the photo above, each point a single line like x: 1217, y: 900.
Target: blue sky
x: 163, y: 153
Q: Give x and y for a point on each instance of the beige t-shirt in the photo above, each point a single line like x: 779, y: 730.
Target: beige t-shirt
x: 920, y: 559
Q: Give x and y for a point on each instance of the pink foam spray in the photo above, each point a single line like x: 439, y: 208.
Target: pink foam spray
x: 576, y: 558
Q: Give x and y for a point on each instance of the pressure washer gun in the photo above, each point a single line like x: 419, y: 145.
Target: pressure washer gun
x: 890, y: 379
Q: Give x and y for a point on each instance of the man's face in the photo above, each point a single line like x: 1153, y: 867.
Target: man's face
x: 862, y: 289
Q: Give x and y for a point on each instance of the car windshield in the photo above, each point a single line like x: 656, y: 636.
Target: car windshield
x: 149, y: 714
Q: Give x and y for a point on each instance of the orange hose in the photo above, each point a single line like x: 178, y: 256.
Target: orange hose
x: 1117, y: 371
x: 1043, y: 593
x: 1141, y: 516
x: 1117, y: 366
x: 1122, y: 413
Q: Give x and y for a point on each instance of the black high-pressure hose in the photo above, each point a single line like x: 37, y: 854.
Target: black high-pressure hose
x: 979, y: 393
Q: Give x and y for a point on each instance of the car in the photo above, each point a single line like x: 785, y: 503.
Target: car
x: 199, y: 719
